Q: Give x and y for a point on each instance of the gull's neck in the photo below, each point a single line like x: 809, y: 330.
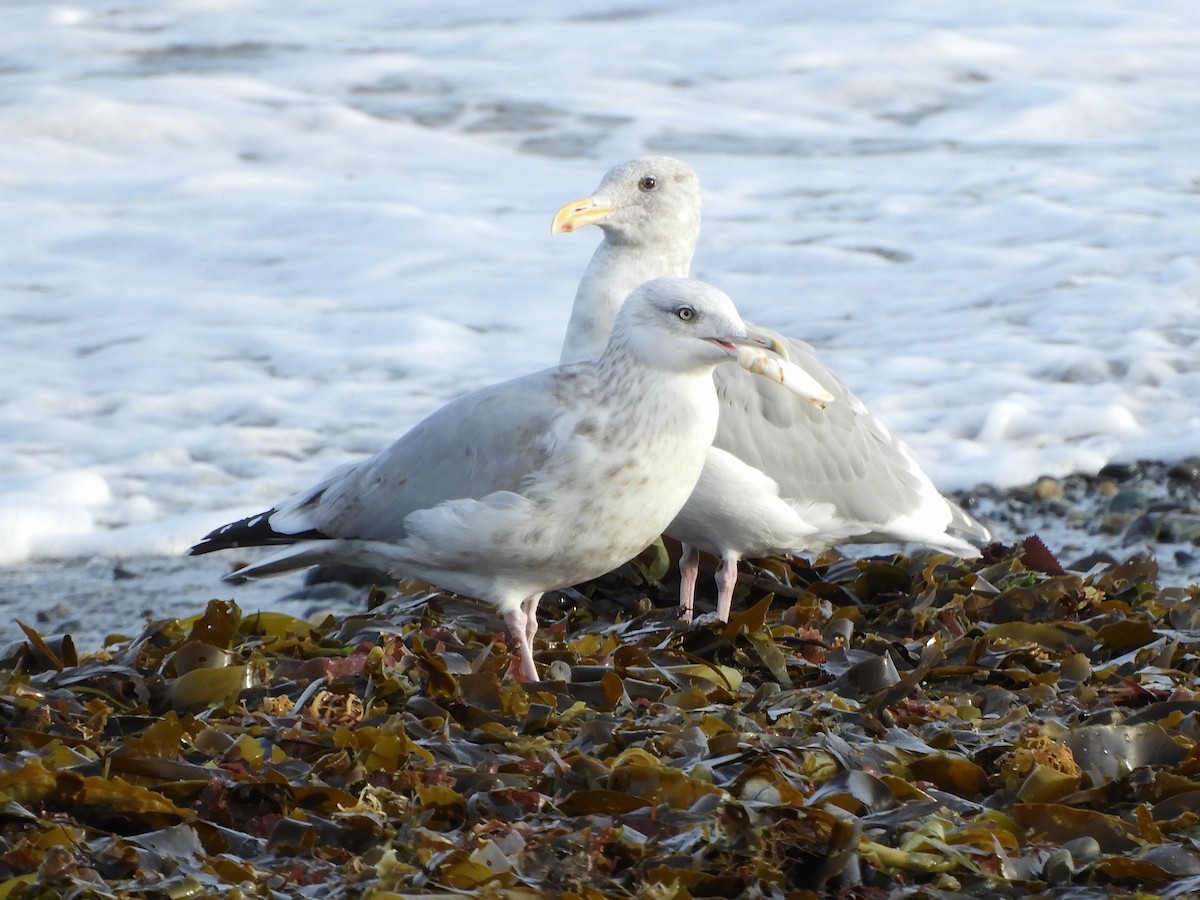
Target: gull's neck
x: 614, y: 271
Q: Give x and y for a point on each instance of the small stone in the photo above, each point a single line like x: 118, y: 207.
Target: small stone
x: 1048, y: 489
x: 558, y: 670
x: 1129, y: 500
x: 1059, y: 867
x: 1083, y: 848
x: 1147, y: 526
x: 1120, y: 471
x: 1185, y: 470
x: 1107, y: 488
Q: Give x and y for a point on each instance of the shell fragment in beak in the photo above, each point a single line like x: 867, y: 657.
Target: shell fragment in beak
x: 759, y: 361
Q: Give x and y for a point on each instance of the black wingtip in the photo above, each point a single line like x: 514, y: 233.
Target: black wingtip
x: 207, y: 545
x: 252, y: 531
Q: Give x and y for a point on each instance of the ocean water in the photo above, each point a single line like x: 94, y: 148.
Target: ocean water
x: 242, y: 244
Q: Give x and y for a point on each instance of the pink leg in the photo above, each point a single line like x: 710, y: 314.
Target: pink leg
x: 726, y: 582
x: 522, y: 667
x: 531, y: 623
x: 689, y: 567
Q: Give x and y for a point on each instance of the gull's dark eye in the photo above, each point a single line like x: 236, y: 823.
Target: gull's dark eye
x: 647, y: 183
x: 685, y: 313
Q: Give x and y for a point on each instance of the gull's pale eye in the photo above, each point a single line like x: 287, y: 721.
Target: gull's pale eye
x: 647, y: 183
x: 685, y: 313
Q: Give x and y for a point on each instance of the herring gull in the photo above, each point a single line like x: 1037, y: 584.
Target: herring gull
x: 782, y: 476
x: 535, y: 483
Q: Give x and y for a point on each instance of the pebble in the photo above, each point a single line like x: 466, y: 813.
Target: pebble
x: 1059, y: 867
x: 1185, y: 470
x: 1047, y: 488
x: 1128, y: 500
x: 1081, y: 529
x: 1083, y: 848
x: 1121, y: 471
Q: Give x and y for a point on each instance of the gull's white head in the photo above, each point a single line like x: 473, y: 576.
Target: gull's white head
x: 643, y: 201
x: 682, y: 325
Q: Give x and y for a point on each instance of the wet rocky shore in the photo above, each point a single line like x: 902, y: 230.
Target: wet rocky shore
x: 1086, y: 521
x: 1144, y: 507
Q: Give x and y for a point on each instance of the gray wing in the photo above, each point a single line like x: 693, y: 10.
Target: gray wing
x: 841, y: 455
x: 489, y: 440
